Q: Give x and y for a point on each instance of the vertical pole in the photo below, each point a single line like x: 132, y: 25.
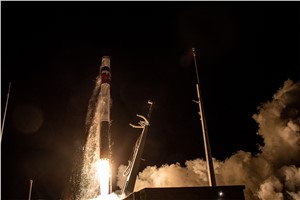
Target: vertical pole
x: 30, y: 188
x: 4, y: 116
x: 209, y: 162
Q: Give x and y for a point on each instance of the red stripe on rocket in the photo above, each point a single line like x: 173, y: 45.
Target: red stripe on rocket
x: 105, y: 70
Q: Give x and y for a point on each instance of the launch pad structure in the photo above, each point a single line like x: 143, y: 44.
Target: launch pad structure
x: 134, y: 163
x: 211, y: 192
x: 190, y: 193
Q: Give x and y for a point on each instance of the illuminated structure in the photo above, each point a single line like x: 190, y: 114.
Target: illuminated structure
x: 134, y: 163
x: 209, y: 162
x: 190, y: 193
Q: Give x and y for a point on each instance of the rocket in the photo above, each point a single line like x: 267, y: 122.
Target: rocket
x: 104, y: 97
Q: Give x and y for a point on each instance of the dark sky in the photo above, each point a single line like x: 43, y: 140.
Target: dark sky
x: 51, y: 53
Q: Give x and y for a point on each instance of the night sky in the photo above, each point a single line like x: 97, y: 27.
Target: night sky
x: 51, y: 53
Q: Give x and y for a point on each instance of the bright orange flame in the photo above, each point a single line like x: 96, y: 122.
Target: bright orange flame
x: 103, y: 174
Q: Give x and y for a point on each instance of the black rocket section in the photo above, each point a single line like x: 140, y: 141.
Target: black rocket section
x: 104, y: 140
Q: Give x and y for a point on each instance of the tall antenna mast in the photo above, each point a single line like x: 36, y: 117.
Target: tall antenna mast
x: 4, y: 116
x: 209, y: 162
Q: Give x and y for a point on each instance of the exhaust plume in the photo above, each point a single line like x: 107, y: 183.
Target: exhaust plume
x: 83, y: 181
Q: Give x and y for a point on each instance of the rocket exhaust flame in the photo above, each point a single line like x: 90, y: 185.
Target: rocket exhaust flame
x: 103, y: 174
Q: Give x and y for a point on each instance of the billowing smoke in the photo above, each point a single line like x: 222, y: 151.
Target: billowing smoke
x: 274, y: 173
x: 83, y: 181
x: 89, y: 185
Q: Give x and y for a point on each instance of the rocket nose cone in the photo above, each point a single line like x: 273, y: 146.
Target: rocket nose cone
x: 105, y: 61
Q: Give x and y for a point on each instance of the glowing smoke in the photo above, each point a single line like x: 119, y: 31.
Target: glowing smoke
x: 84, y: 182
x: 94, y: 173
x: 272, y: 174
x: 89, y: 185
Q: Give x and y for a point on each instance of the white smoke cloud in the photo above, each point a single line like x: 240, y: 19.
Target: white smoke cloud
x: 284, y: 185
x: 279, y: 126
x: 292, y: 178
x: 244, y: 169
x: 120, y: 177
x: 274, y: 173
x: 271, y: 189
